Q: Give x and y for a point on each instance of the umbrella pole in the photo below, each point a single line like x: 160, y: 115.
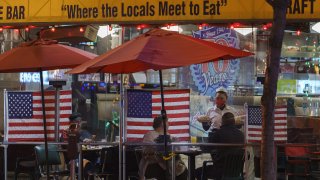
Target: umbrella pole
x: 164, y: 117
x: 163, y: 114
x: 44, y: 124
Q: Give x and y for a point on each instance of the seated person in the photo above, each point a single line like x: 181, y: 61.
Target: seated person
x: 228, y: 133
x: 74, y: 121
x: 151, y: 157
x: 85, y: 135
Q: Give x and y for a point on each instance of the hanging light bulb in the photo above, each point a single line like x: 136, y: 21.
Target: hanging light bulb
x: 200, y: 27
x: 81, y: 29
x: 53, y: 29
x: 1, y: 29
x: 26, y: 29
x: 168, y: 26
x: 139, y: 27
x: 110, y: 27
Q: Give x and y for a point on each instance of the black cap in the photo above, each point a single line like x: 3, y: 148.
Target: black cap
x: 75, y: 117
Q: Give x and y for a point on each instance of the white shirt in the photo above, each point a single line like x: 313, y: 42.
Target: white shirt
x: 216, y: 114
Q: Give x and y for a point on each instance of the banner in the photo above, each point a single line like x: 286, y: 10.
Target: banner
x: 151, y: 11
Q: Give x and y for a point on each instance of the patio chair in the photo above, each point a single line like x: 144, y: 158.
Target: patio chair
x: 153, y: 170
x: 110, y: 168
x: 232, y: 166
x: 25, y: 165
x: 297, y: 162
x: 53, y: 161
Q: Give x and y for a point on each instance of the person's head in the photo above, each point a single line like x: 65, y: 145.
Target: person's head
x: 228, y: 119
x: 158, y: 123
x: 221, y: 98
x: 75, y: 118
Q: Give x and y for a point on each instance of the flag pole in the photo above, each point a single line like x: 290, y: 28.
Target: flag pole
x: 122, y: 159
x: 44, y: 124
x: 5, y: 139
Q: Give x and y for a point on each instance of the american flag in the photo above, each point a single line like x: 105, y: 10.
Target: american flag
x: 143, y: 106
x: 254, y: 126
x: 24, y: 115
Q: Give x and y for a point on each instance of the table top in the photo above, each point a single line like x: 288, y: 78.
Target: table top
x: 189, y: 151
x: 93, y: 148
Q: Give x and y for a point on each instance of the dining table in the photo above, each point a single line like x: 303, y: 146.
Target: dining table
x: 191, y: 152
x: 90, y: 147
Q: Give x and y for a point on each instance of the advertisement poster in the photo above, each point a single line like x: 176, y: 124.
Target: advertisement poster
x: 208, y: 77
x: 287, y: 86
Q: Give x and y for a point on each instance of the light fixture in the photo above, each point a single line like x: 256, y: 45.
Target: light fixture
x: 81, y: 29
x: 26, y: 29
x: 244, y: 31
x: 53, y: 29
x: 316, y: 27
x: 103, y: 31
x: 175, y: 28
x: 1, y: 29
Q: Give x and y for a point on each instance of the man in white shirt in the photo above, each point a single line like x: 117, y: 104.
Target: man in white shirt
x: 212, y: 120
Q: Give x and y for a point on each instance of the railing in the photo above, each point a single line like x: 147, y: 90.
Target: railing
x: 174, y: 147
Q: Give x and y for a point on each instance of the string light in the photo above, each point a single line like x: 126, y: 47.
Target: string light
x: 269, y: 25
x: 81, y: 29
x: 298, y: 32
x: 53, y: 29
x: 264, y: 27
x: 235, y: 25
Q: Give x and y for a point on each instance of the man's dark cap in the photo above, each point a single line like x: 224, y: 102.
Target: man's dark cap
x: 75, y: 117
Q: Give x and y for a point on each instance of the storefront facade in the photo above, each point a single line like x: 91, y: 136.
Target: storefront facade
x: 242, y: 79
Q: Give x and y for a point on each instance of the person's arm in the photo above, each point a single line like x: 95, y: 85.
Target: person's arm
x: 206, y: 125
x: 148, y: 138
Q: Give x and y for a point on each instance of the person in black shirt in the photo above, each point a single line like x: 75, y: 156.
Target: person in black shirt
x: 228, y: 133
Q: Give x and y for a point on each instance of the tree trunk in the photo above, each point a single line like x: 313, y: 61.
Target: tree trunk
x: 268, y: 159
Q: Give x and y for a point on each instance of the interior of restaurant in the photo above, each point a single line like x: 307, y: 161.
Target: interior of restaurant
x: 96, y: 96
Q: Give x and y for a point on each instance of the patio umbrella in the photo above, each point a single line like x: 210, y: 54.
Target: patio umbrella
x: 158, y: 49
x: 40, y: 55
